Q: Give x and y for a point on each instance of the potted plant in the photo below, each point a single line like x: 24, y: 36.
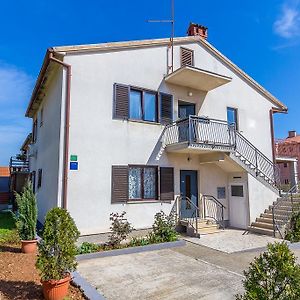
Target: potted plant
x: 57, y: 250
x: 26, y: 218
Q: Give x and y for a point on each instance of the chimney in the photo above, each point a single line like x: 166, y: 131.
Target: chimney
x: 292, y: 133
x: 197, y: 30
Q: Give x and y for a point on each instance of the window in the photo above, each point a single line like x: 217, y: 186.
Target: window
x: 41, y: 117
x: 221, y: 192
x: 142, y: 182
x: 186, y: 57
x: 237, y: 191
x: 34, y: 131
x: 232, y: 116
x: 33, y: 181
x: 40, y: 175
x: 285, y: 165
x: 143, y: 105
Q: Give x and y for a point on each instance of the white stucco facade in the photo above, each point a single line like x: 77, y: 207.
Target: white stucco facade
x: 100, y: 141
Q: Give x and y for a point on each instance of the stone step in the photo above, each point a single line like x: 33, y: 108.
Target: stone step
x: 259, y: 230
x: 267, y: 220
x: 270, y: 216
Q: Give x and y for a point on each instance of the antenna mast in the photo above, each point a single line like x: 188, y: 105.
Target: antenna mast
x: 172, y: 22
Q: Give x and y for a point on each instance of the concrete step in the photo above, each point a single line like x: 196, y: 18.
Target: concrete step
x: 259, y: 230
x: 270, y: 216
x: 263, y: 225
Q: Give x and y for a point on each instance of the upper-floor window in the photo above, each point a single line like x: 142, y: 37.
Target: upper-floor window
x: 186, y: 57
x: 232, y: 116
x: 285, y: 165
x: 143, y: 105
x: 34, y: 131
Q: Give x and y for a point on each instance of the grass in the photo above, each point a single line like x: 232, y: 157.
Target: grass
x: 8, y: 231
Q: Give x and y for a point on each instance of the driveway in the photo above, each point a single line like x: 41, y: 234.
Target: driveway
x: 162, y: 274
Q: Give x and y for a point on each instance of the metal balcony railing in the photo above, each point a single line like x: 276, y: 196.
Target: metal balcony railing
x: 215, y: 134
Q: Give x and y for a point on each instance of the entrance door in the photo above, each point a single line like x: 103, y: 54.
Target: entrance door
x: 188, y: 188
x: 239, y: 212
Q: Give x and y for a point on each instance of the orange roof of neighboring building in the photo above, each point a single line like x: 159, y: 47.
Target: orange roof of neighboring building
x: 295, y: 139
x: 4, y: 172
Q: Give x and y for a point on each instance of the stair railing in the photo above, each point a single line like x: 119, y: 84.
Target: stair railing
x: 280, y: 219
x: 261, y: 164
x: 213, y: 208
x: 193, y: 219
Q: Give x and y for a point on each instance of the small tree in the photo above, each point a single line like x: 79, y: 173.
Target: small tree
x: 293, y: 232
x: 120, y: 228
x: 57, y: 250
x: 274, y: 275
x: 163, y: 228
x: 26, y: 216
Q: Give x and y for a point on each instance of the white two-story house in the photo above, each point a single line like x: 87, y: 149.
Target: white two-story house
x: 131, y: 126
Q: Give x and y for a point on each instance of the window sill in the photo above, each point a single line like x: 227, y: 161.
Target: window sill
x: 144, y: 122
x: 146, y: 201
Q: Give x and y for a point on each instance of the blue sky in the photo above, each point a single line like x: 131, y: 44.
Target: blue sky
x: 262, y: 37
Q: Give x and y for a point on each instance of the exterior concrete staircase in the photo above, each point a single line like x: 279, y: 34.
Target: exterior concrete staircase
x: 268, y: 224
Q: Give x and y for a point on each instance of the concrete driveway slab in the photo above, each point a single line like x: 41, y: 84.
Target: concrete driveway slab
x: 233, y: 240
x: 163, y: 274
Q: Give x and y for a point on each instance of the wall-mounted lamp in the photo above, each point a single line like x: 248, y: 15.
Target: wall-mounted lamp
x: 190, y: 94
x: 189, y: 158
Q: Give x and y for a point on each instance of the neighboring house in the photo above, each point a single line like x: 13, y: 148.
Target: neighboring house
x: 4, y: 187
x: 287, y: 158
x: 19, y: 170
x: 118, y: 127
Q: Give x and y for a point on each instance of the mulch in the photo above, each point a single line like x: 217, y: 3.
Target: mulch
x: 19, y: 279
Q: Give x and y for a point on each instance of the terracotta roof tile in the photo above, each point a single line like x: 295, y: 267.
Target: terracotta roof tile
x: 4, y: 172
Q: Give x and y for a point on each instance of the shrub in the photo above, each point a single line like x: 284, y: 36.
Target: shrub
x: 57, y: 250
x: 139, y: 241
x: 273, y: 275
x: 163, y: 228
x: 293, y: 232
x: 26, y: 216
x: 120, y: 229
x: 87, y: 247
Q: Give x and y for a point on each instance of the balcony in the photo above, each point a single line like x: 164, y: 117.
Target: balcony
x: 198, y: 133
x: 195, y: 78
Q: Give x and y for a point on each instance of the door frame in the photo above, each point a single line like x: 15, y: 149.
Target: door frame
x: 246, y: 199
x: 197, y: 178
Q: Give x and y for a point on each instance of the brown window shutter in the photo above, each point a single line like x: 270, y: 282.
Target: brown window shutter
x: 166, y: 112
x: 121, y: 101
x: 166, y: 184
x: 119, y: 184
x: 186, y: 57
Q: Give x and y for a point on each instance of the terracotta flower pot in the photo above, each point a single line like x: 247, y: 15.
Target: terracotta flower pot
x: 29, y: 246
x: 56, y: 289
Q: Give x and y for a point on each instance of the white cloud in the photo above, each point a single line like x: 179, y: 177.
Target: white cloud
x: 287, y: 24
x: 15, y: 89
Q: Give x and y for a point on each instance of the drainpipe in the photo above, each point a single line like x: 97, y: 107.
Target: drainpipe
x: 67, y: 127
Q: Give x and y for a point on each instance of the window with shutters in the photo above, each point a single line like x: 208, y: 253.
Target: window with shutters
x: 141, y: 104
x: 186, y: 57
x: 140, y: 182
x: 34, y: 131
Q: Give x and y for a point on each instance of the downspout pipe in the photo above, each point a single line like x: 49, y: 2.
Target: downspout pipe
x: 67, y: 126
x: 274, y: 110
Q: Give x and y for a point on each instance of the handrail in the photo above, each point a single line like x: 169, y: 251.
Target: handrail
x: 213, y: 212
x: 285, y: 219
x: 195, y: 214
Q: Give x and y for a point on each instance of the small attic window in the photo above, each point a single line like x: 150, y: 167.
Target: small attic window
x: 186, y: 57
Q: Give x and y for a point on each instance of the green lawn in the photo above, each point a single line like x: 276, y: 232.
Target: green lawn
x: 8, y: 232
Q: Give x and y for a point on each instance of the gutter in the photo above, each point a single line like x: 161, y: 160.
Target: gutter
x: 67, y: 126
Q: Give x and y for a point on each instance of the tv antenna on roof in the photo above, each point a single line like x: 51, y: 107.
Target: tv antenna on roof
x: 172, y: 22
